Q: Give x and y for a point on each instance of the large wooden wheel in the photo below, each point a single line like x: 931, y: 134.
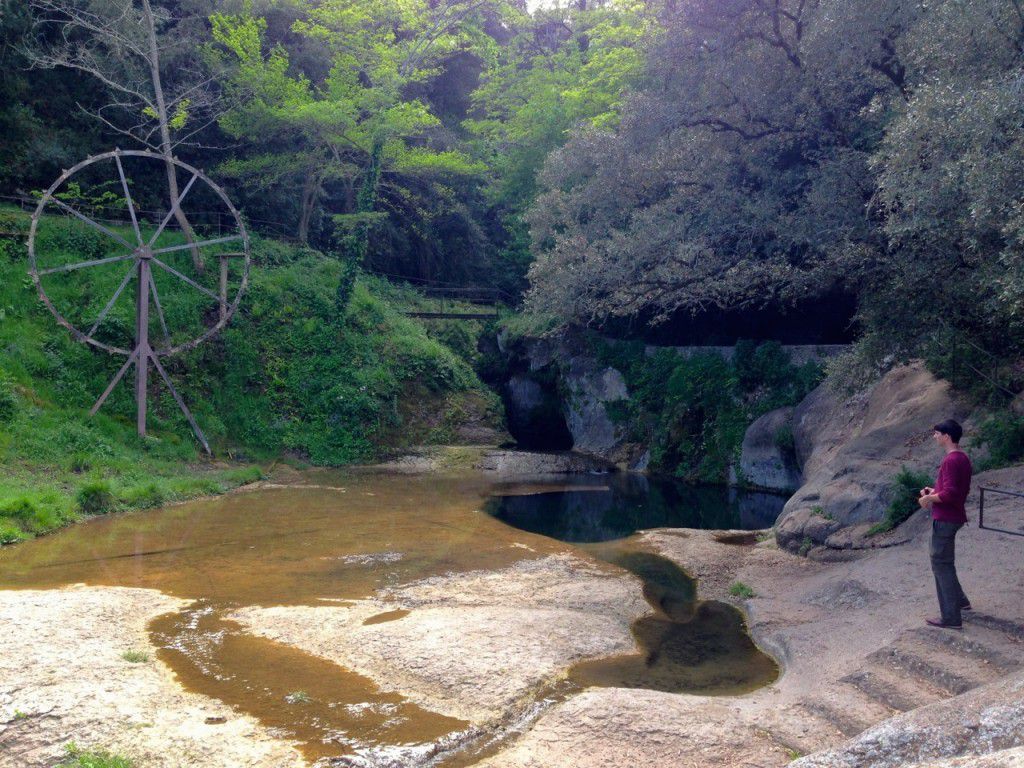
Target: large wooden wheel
x: 69, y: 285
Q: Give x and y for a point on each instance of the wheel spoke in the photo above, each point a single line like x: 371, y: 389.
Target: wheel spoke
x: 113, y: 299
x: 174, y: 209
x: 128, y: 198
x: 187, y: 279
x: 84, y: 264
x: 180, y: 402
x: 200, y: 244
x: 91, y: 223
x: 159, y: 309
x: 113, y: 382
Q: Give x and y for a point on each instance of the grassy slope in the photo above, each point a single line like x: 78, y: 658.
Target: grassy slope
x: 286, y: 377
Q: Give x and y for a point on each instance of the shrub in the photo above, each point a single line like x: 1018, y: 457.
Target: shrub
x: 906, y: 489
x: 805, y: 546
x: 741, y: 590
x: 1003, y: 435
x: 95, y: 498
x: 10, y: 532
x: 135, y: 657
x: 143, y: 496
x: 20, y: 508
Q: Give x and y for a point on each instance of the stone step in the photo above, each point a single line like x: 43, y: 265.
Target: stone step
x: 858, y: 713
x: 1000, y: 656
x: 802, y: 732
x: 1011, y: 629
x: 894, y: 689
x: 940, y: 668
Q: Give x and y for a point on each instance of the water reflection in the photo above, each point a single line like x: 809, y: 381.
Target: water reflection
x: 602, y: 508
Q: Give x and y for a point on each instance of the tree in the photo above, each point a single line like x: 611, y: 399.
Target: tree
x: 358, y: 125
x: 125, y: 46
x: 563, y: 66
x: 739, y: 173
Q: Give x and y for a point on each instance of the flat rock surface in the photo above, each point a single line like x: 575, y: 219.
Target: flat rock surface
x: 478, y: 646
x: 852, y: 639
x: 63, y: 678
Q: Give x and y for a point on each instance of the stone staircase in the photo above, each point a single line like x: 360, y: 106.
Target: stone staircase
x: 922, y: 666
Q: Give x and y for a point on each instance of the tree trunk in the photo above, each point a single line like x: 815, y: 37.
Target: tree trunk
x: 355, y: 244
x: 310, y: 195
x: 165, y: 136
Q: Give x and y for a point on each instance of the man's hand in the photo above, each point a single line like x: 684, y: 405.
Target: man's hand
x: 926, y: 501
x: 926, y: 491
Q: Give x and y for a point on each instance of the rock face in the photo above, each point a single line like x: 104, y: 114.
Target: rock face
x: 591, y: 387
x: 559, y: 397
x: 849, y: 450
x: 768, y: 457
x: 501, y: 462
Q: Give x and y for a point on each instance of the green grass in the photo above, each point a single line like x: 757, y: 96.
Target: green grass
x: 288, y: 377
x: 298, y: 697
x: 805, y: 546
x: 741, y: 590
x: 92, y: 758
x: 135, y: 657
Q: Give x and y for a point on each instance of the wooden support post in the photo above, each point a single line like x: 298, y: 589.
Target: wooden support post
x: 142, y: 344
x: 223, y: 286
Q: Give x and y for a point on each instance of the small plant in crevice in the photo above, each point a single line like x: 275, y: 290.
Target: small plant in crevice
x: 76, y: 757
x: 906, y: 490
x: 741, y: 590
x: 805, y: 546
x: 819, y: 511
x: 135, y: 657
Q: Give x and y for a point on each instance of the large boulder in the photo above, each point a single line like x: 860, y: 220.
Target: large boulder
x: 768, y: 456
x: 593, y: 391
x: 850, y: 448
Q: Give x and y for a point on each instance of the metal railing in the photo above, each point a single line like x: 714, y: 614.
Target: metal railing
x: 981, y: 510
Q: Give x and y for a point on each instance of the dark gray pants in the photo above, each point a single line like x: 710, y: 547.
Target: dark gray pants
x: 943, y: 551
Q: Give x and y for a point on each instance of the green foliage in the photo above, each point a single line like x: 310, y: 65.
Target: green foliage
x: 805, y: 546
x: 287, y: 376
x: 135, y: 657
x: 741, y: 590
x: 694, y: 409
x: 906, y: 490
x: 8, y: 403
x: 1003, y: 435
x: 92, y: 758
x: 95, y: 498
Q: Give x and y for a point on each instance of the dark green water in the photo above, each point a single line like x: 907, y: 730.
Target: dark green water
x: 593, y: 508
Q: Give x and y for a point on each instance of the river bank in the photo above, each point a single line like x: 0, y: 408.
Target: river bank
x: 486, y: 646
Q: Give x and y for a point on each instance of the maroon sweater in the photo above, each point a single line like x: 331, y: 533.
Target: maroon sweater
x: 952, y: 486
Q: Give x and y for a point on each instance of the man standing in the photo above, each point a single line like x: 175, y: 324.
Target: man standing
x: 946, y: 501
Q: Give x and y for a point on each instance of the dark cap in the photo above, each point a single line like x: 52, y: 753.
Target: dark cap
x: 951, y: 428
